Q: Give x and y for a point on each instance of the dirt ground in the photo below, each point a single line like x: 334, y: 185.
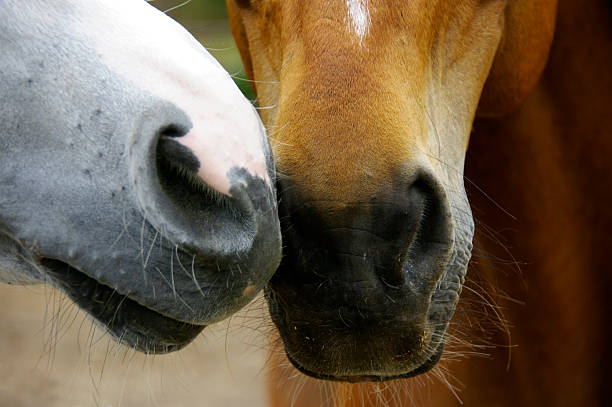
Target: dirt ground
x: 52, y: 356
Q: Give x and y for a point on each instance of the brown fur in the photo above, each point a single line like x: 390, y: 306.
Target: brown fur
x: 308, y: 70
x: 547, y: 164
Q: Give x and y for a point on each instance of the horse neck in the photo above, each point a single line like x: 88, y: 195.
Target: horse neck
x: 549, y: 166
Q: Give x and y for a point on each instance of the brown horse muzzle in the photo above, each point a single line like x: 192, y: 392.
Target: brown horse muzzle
x: 352, y: 297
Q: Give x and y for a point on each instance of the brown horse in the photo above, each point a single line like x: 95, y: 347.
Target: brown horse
x: 369, y: 105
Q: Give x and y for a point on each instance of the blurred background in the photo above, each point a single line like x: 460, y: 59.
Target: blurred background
x: 207, y: 21
x: 52, y: 355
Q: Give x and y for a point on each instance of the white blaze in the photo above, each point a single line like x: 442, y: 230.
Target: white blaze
x: 358, y: 18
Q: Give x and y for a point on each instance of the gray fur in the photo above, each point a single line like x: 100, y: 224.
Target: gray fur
x: 79, y: 184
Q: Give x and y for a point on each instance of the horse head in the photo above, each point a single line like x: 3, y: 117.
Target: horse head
x: 134, y: 176
x: 369, y: 106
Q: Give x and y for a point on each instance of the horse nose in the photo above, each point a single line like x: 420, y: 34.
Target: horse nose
x: 380, y: 237
x: 397, y: 237
x: 360, y: 268
x: 211, y: 206
x: 198, y: 155
x: 189, y: 157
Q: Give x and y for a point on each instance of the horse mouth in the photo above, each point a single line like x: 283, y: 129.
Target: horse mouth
x: 429, y: 363
x: 127, y: 321
x: 360, y: 347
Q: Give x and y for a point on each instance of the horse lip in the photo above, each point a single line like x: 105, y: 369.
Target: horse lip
x: 53, y: 265
x: 168, y: 279
x: 152, y: 331
x: 422, y: 368
x: 419, y: 366
x: 334, y: 378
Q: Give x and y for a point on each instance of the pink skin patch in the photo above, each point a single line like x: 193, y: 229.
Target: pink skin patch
x: 158, y: 55
x: 214, y: 167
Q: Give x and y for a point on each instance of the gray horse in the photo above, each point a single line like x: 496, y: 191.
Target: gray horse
x: 134, y: 176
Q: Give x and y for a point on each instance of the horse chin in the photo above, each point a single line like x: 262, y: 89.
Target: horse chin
x: 127, y: 321
x: 365, y: 292
x: 392, y: 342
x: 427, y: 365
x: 364, y: 331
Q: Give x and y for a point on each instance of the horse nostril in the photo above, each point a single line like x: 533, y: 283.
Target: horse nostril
x: 409, y: 222
x: 433, y: 235
x: 395, y: 276
x: 177, y: 169
x: 175, y: 154
x: 399, y: 236
x: 177, y: 201
x: 190, y: 204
